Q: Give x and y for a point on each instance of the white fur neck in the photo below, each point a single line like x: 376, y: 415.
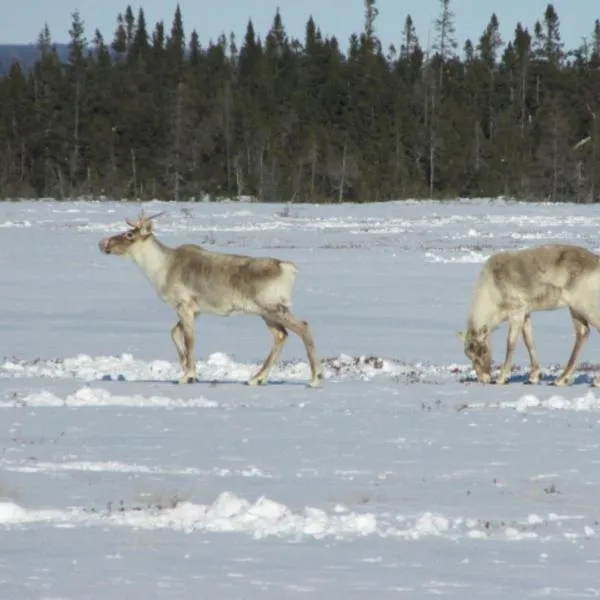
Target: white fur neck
x: 153, y: 259
x: 483, y: 312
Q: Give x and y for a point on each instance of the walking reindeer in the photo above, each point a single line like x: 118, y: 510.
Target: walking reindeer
x: 194, y: 280
x: 512, y: 285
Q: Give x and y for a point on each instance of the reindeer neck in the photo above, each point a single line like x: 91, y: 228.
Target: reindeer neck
x: 484, y: 311
x: 153, y: 258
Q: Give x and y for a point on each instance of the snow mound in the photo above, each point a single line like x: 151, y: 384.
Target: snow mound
x: 91, y: 396
x: 228, y: 513
x: 589, y: 402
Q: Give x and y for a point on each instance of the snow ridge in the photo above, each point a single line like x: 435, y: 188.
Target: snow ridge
x: 263, y: 518
x: 220, y: 367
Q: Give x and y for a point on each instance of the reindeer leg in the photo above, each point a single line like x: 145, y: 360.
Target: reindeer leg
x: 279, y: 338
x: 595, y: 322
x: 582, y: 333
x: 534, y: 371
x: 515, y: 325
x: 178, y: 340
x: 186, y: 323
x: 286, y: 319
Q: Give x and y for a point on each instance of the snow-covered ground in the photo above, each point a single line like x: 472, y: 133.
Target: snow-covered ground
x: 398, y: 478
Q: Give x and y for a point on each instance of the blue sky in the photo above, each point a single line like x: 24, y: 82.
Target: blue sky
x: 24, y: 19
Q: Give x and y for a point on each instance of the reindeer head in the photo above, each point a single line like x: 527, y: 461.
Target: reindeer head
x: 477, y: 349
x: 122, y: 243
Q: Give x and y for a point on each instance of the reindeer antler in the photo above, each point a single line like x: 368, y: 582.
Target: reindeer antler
x: 142, y: 219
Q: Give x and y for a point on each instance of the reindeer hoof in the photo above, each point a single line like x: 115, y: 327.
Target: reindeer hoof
x: 256, y: 381
x: 316, y: 381
x: 561, y: 382
x: 187, y: 379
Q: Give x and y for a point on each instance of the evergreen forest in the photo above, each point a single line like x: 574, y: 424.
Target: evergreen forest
x: 156, y: 112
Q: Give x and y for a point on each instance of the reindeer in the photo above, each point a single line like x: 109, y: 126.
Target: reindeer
x: 512, y: 285
x: 193, y: 280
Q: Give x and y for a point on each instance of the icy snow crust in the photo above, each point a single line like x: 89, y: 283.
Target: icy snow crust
x: 400, y: 477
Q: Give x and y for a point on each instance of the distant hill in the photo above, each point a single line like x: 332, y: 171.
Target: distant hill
x: 26, y: 54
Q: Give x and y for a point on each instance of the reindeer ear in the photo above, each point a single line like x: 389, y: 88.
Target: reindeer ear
x: 462, y: 335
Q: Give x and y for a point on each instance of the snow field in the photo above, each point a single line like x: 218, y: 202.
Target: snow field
x: 400, y: 477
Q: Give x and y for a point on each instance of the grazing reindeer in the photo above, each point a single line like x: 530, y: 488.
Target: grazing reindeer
x: 194, y: 280
x: 512, y: 285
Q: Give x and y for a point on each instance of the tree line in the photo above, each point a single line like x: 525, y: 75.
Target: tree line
x: 157, y: 114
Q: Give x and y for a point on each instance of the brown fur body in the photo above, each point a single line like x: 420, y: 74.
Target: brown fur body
x: 194, y: 280
x: 513, y: 284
